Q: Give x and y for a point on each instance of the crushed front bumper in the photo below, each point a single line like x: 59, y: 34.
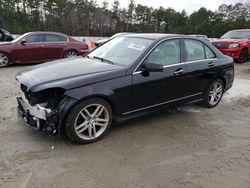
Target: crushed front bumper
x: 36, y: 116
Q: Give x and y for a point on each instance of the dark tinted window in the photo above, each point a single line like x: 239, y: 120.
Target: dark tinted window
x: 35, y: 38
x: 194, y: 50
x: 54, y: 38
x: 209, y: 53
x: 167, y: 53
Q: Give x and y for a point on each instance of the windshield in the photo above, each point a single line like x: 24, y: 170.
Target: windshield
x: 236, y: 35
x: 20, y: 37
x: 122, y: 51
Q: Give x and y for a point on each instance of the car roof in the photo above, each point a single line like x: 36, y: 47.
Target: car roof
x: 241, y: 30
x: 159, y: 36
x: 45, y: 32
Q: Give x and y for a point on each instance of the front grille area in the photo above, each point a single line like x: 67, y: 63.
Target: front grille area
x: 221, y: 44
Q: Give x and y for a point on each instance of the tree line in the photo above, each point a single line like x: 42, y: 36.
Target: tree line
x: 87, y: 18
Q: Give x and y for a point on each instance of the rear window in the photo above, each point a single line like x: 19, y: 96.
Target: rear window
x: 194, y: 50
x: 209, y: 53
x: 54, y: 38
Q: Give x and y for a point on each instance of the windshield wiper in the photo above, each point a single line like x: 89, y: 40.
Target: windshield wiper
x: 103, y: 60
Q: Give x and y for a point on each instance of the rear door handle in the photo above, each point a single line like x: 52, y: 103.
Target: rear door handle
x: 63, y: 44
x: 40, y: 45
x: 210, y: 64
x: 178, y: 71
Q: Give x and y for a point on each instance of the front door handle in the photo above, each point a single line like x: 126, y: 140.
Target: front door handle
x: 178, y: 71
x: 210, y: 64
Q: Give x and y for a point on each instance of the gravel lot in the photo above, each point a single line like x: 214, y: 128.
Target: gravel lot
x: 188, y: 147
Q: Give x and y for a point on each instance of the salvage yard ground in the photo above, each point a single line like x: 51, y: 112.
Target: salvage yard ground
x: 188, y: 147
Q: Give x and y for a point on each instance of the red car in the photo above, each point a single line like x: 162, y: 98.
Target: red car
x: 36, y: 47
x: 236, y: 44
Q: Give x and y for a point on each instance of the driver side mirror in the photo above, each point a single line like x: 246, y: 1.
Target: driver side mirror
x: 153, y: 67
x: 23, y: 41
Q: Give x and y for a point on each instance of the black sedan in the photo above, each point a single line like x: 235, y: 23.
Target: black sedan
x: 126, y: 77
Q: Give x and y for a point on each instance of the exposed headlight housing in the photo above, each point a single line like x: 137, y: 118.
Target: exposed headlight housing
x: 234, y: 45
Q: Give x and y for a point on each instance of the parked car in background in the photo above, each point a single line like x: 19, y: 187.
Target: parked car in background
x: 5, y: 35
x: 36, y: 47
x: 102, y: 41
x: 126, y: 77
x: 212, y: 39
x: 235, y: 44
x: 201, y: 37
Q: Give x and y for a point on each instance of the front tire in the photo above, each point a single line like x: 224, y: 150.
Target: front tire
x: 88, y: 121
x: 4, y: 60
x: 243, y: 56
x: 213, y: 93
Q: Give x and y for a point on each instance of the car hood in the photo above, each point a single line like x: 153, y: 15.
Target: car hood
x: 68, y: 73
x: 228, y: 40
x: 5, y: 43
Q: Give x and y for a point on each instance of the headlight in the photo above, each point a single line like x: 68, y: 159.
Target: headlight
x: 234, y: 45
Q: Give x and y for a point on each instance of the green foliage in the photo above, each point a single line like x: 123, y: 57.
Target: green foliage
x: 85, y: 17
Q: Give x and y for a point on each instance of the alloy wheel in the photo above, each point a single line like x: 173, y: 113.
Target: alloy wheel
x: 215, y: 93
x: 70, y: 54
x: 4, y: 60
x: 91, y: 121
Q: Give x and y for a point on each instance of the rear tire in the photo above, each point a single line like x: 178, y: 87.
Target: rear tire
x: 88, y: 121
x: 213, y: 94
x: 4, y: 60
x: 243, y: 56
x: 70, y: 53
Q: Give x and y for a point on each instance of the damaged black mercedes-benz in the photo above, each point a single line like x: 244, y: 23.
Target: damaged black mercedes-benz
x: 126, y: 77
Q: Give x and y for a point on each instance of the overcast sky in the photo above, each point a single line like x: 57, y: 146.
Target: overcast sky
x: 179, y: 5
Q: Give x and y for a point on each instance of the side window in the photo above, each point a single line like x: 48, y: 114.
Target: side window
x: 34, y: 38
x: 54, y: 38
x: 167, y: 53
x: 209, y: 53
x: 194, y: 50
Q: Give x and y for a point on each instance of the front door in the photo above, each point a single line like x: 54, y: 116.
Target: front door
x: 30, y: 51
x: 158, y: 88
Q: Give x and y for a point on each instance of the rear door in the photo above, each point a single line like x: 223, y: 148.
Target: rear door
x: 201, y: 62
x: 30, y: 51
x: 158, y: 88
x: 54, y: 46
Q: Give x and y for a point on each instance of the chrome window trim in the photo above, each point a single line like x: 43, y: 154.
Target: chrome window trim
x: 182, y: 63
x: 155, y: 105
x: 186, y: 62
x: 67, y: 37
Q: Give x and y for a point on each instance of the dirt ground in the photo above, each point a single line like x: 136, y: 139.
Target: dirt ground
x: 189, y: 147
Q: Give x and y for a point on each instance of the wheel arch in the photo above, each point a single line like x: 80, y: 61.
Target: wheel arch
x: 245, y: 48
x: 70, y: 49
x: 103, y: 97
x: 8, y: 54
x: 223, y: 80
